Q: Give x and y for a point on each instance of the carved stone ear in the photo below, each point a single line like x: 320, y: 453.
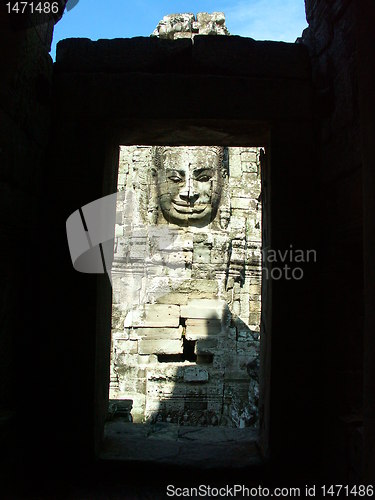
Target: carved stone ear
x: 224, y: 217
x: 156, y: 153
x: 225, y: 163
x: 152, y: 214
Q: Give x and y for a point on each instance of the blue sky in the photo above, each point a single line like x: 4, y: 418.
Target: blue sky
x: 260, y: 19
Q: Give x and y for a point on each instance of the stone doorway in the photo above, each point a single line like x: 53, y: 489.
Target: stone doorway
x: 187, y: 290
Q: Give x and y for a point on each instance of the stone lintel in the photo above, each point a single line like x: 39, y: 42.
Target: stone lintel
x: 156, y: 333
x: 160, y: 346
x: 210, y: 54
x: 204, y: 309
x: 201, y: 328
x: 154, y: 315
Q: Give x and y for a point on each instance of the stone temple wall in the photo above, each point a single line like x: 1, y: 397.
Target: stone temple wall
x: 186, y: 293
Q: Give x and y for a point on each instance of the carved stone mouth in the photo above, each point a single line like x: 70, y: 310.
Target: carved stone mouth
x: 185, y: 208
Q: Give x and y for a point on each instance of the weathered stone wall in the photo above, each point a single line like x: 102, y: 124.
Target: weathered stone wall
x: 197, y: 300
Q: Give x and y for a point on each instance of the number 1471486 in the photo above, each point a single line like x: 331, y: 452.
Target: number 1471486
x: 33, y: 7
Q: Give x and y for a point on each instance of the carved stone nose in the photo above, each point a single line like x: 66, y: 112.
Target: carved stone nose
x: 189, y: 196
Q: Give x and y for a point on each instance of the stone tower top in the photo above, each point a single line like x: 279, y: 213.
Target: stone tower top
x: 187, y: 25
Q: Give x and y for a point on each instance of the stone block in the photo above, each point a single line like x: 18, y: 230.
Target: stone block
x: 126, y: 362
x: 124, y: 335
x: 255, y: 306
x: 158, y: 286
x: 173, y: 298
x: 118, y: 317
x: 138, y: 251
x: 195, y: 374
x: 201, y: 328
x: 235, y: 167
x: 217, y: 256
x: 249, y: 155
x: 249, y: 167
x: 249, y: 348
x: 140, y: 386
x: 119, y: 231
x: 127, y: 346
x: 157, y: 333
x: 154, y: 315
x: 244, y: 309
x: 254, y: 318
x: 147, y: 359
x: 205, y: 18
x: 232, y: 333
x: 127, y: 382
x: 244, y: 335
x: 237, y: 221
x: 202, y: 254
x: 242, y: 203
x: 255, y: 289
x: 243, y: 192
x: 253, y: 298
x: 204, y: 309
x: 121, y: 179
x: 160, y: 346
x: 236, y: 374
x: 178, y: 36
x: 202, y: 288
x: 177, y: 258
x: 133, y: 318
x: 162, y: 372
x: 206, y: 346
x: 122, y: 55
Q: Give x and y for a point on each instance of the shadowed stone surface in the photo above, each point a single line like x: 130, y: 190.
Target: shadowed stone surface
x: 206, y: 448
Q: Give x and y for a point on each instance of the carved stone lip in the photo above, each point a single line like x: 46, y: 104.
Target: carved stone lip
x: 185, y: 208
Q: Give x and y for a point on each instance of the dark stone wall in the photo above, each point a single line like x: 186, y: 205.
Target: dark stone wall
x: 332, y: 39
x: 25, y: 124
x: 112, y: 92
x: 365, y: 13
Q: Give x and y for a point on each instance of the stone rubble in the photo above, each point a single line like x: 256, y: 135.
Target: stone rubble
x: 176, y: 26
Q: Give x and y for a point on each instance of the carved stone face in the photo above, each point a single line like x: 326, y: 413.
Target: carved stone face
x: 189, y: 183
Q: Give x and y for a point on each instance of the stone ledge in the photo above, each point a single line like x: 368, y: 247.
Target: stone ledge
x: 202, y: 328
x: 208, y: 309
x: 120, y: 55
x: 210, y: 54
x: 236, y: 55
x: 154, y: 316
x: 156, y: 333
x: 160, y: 346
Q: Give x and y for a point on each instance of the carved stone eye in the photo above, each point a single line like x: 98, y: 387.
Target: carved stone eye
x: 174, y: 178
x: 204, y: 178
